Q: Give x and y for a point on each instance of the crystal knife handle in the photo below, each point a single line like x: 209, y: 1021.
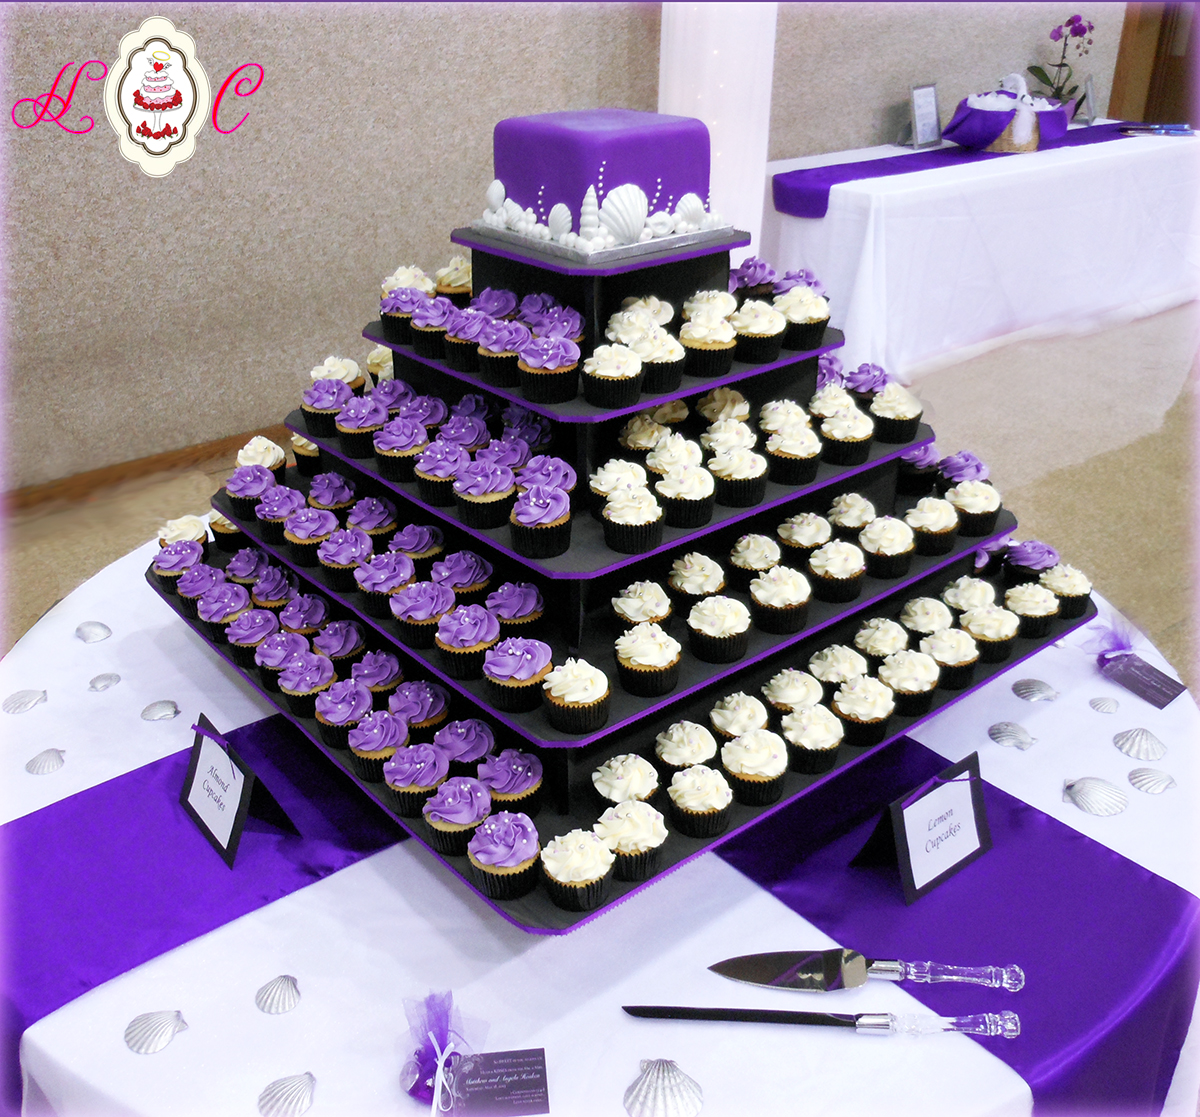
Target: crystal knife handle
x: 1011, y: 978
x: 1006, y: 1024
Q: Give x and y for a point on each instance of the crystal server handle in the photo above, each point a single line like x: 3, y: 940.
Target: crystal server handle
x: 1011, y: 978
x: 1005, y: 1024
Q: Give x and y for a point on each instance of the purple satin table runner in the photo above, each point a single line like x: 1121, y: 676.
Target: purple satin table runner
x: 805, y: 192
x: 1107, y: 947
x: 106, y: 880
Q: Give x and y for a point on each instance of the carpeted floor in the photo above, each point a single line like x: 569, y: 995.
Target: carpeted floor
x: 1090, y: 439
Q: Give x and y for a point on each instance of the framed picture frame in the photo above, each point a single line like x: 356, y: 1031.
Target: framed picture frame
x: 924, y: 117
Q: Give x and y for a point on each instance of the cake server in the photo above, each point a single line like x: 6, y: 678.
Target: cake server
x: 820, y: 971
x: 1006, y: 1024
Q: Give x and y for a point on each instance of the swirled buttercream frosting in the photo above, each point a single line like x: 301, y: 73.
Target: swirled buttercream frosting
x: 963, y: 466
x: 1028, y: 600
x: 695, y: 574
x: 401, y: 436
x: 327, y: 490
x: 974, y: 496
x: 990, y: 622
x: 347, y: 547
x: 544, y: 469
x: 780, y: 588
x: 642, y: 433
x: 720, y: 304
x: 516, y: 659
x: 417, y: 766
x: 685, y: 743
x: 700, y: 789
x: 495, y: 301
x: 305, y: 610
x: 895, y: 402
x: 613, y: 362
x: 930, y: 513
x: 737, y: 465
x: 909, y: 672
x: 416, y: 539
x: 738, y: 713
x: 864, y: 699
x: 345, y: 701
x: 631, y: 828
x: 951, y: 646
x: 792, y: 688
x: 725, y: 435
x: 307, y: 671
x: 460, y: 801
x: 755, y: 552
x: 379, y: 732
x: 632, y: 506
x: 625, y: 777
x: 261, y: 451
x: 847, y: 424
x: 461, y: 569
x: 468, y: 626
x: 812, y: 727
x: 925, y: 615
x: 515, y: 600
x: 686, y: 482
x: 1065, y: 581
x: 615, y: 474
x: 273, y: 585
x: 465, y: 741
x: 576, y: 681
x: 806, y: 529
x: 223, y: 602
x: 418, y: 702
x: 969, y: 593
x: 199, y: 579
x: 276, y: 652
x: 866, y: 378
x: 377, y: 669
x: 836, y: 663
x: 886, y: 535
x: 1032, y: 553
x: 250, y: 627
x: 510, y: 772
x: 511, y: 452
x: 327, y: 395
x: 384, y: 573
x: 647, y: 645
x: 337, y: 368
x: 577, y: 856
x: 795, y: 441
x: 672, y: 452
x: 759, y: 753
x: 642, y: 601
x: 362, y: 413
x: 279, y: 503
x: 719, y: 616
x: 724, y: 403
x: 483, y: 478
x: 248, y: 481
x: 880, y: 637
x: 338, y: 638
x: 829, y: 400
x: 421, y: 601
x: 837, y: 560
x: 758, y: 319
x: 371, y: 513
x: 504, y: 840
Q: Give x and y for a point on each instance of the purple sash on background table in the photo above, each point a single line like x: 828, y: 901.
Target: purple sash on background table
x: 108, y: 879
x: 805, y: 192
x: 1108, y: 948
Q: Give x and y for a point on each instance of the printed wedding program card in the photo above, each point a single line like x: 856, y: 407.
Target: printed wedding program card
x: 500, y: 1084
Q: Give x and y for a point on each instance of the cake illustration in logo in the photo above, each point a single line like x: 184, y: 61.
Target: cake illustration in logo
x: 157, y: 94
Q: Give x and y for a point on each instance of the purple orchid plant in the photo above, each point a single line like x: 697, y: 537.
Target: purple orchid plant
x: 1076, y: 32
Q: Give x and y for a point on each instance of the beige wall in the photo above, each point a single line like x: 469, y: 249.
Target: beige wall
x: 841, y: 70
x: 150, y: 314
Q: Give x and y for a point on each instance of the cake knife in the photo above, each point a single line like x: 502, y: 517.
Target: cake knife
x: 820, y: 971
x: 1005, y: 1024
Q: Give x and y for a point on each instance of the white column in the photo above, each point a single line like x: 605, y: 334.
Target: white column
x: 717, y: 62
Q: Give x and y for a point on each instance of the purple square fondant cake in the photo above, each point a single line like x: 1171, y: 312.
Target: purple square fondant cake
x: 554, y: 157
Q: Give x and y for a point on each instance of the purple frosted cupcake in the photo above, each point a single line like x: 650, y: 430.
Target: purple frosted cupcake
x: 918, y: 470
x: 466, y: 574
x: 306, y: 675
x: 418, y: 608
x: 500, y: 345
x: 461, y: 344
x: 245, y: 488
x: 466, y: 743
x: 380, y: 673
x: 454, y: 812
x: 429, y: 411
x: 343, y: 642
x: 420, y: 542
x: 468, y: 431
x: 330, y: 492
x: 274, y: 588
x: 220, y: 606
x: 549, y: 370
x: 503, y: 856
x: 173, y: 559
x: 339, y: 709
x: 535, y: 430
x: 512, y: 452
x: 246, y: 566
x: 435, y: 469
x: 305, y: 531
x: 423, y: 705
x: 376, y: 517
x: 373, y: 742
x: 540, y: 522
x: 274, y: 508
x: 866, y: 382
x: 463, y: 638
x: 513, y: 672
x: 393, y: 394
x: 379, y: 577
x: 396, y: 310
x: 518, y: 606
x: 274, y: 654
x: 484, y: 493
x: 195, y: 582
x: 533, y: 305
x: 514, y: 780
x: 357, y: 423
x: 1023, y: 562
x: 320, y: 404
x: 549, y: 471
x: 411, y: 777
x: 247, y: 631
x: 494, y: 302
x: 956, y: 468
x: 428, y: 325
x: 340, y: 554
x: 304, y: 614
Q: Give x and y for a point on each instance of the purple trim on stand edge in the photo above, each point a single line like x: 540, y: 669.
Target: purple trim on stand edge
x: 584, y: 412
x: 554, y: 568
x: 521, y: 913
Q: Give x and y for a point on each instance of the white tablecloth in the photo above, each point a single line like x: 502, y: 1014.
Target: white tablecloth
x: 930, y: 268
x: 393, y: 926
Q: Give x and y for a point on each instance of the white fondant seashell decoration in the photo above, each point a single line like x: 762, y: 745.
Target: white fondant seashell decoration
x: 47, y: 761
x: 281, y: 994
x: 162, y: 710
x: 1141, y: 744
x: 496, y: 194
x: 152, y: 1031
x: 560, y: 220
x: 22, y: 701
x: 690, y: 210
x: 1104, y: 705
x: 624, y: 212
x: 104, y: 682
x: 1096, y: 796
x: 288, y: 1097
x: 660, y: 224
x: 1011, y: 734
x: 1151, y: 780
x: 589, y: 214
x: 663, y: 1090
x: 92, y: 632
x: 1034, y: 690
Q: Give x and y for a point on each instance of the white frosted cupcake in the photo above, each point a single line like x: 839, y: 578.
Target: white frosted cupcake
x: 635, y: 832
x: 720, y: 304
x: 719, y: 629
x: 700, y: 801
x: 848, y: 434
x: 776, y: 414
x: 836, y: 571
x: 688, y: 496
x: 896, y: 413
x: 640, y: 435
x: 779, y: 600
x: 1035, y: 606
x: 613, y: 475
x: 577, y: 870
x: 755, y: 765
x: 878, y: 638
x: 612, y: 377
x: 576, y: 697
x: 760, y: 329
x: 813, y: 734
x: 829, y: 401
x: 889, y: 545
x: 673, y: 452
x: 925, y: 615
x: 728, y: 434
x: 647, y: 661
x: 865, y: 706
x: 694, y: 577
x: 849, y: 514
x: 736, y: 714
x: 1070, y: 586
x: 913, y: 677
x: 994, y: 630
x: 709, y: 344
x: 723, y: 403
x: 683, y: 744
x: 792, y: 689
x: 969, y: 593
x: 793, y: 455
x: 625, y: 778
x: 741, y: 477
x: 955, y: 652
x: 641, y: 602
x: 633, y: 521
x: 752, y: 555
x: 802, y: 534
x: 935, y: 525
x: 978, y: 507
x: 834, y: 665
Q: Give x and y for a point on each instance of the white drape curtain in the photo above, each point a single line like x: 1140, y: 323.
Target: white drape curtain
x: 717, y: 62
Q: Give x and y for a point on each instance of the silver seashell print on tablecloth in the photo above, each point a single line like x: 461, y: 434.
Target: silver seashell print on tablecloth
x: 104, y: 682
x: 1104, y: 705
x: 1034, y: 690
x: 92, y: 632
x: 1011, y: 734
x: 1152, y: 781
x: 288, y: 1097
x: 1094, y: 795
x: 47, y: 761
x: 623, y: 212
x: 663, y: 1090
x: 281, y: 994
x: 1141, y: 744
x: 22, y: 701
x: 152, y: 1031
x: 162, y: 710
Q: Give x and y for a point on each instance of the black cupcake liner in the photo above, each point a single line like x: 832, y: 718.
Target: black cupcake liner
x: 974, y: 524
x: 375, y: 604
x: 396, y: 328
x: 632, y: 539
x: 395, y: 467
x: 243, y: 654
x: 995, y: 651
x: 895, y: 431
x: 243, y: 506
x: 1073, y: 605
x: 416, y: 635
x: 367, y: 768
x: 607, y: 391
x: 462, y: 356
x: 700, y: 824
x: 358, y: 444
x: 228, y: 542
x: 545, y: 541
x: 512, y: 699
x: 792, y: 471
x: 810, y: 762
x: 268, y: 677
x: 505, y: 886
x: 271, y: 531
x: 485, y: 514
x: 776, y: 620
x: 428, y: 342
x: 335, y: 736
x: 741, y: 492
x: 915, y: 481
x: 633, y: 867
x: 836, y: 452
x: 557, y: 386
x: 459, y: 664
x: 578, y: 897
x: 1034, y: 628
x: 450, y: 843
x: 888, y: 566
x: 662, y: 376
x: 308, y: 465
x: 321, y: 423
x: 438, y: 491
x: 755, y: 793
x: 758, y: 350
x: 862, y: 734
x: 957, y: 676
x: 740, y: 577
x: 910, y: 704
x: 216, y: 630
x: 718, y: 649
x: 499, y: 370
x: 301, y: 705
x: 576, y: 719
x: 304, y: 554
x: 407, y: 804
x: 340, y: 578
x: 835, y: 590
x: 190, y: 606
x: 935, y: 542
x: 687, y: 513
x: 1015, y: 574
x: 647, y: 682
x: 708, y: 362
x: 528, y: 804
x: 803, y: 336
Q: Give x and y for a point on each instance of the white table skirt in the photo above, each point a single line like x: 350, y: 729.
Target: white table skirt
x: 931, y: 268
x: 393, y: 926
